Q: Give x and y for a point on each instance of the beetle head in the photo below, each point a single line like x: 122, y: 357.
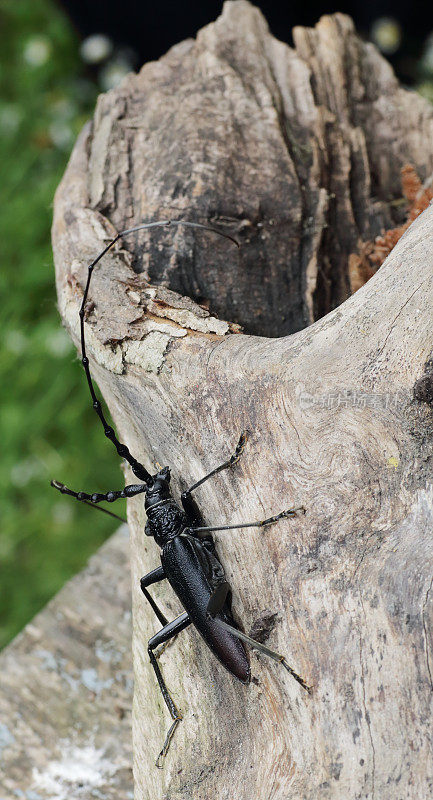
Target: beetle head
x: 159, y: 489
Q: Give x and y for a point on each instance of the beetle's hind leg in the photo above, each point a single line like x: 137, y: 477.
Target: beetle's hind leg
x: 258, y: 646
x: 162, y: 636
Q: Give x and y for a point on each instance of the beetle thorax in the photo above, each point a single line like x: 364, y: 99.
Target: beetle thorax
x: 165, y: 519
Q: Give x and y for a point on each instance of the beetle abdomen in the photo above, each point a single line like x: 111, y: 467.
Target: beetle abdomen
x: 195, y: 573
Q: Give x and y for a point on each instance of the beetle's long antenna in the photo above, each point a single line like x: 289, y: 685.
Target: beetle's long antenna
x: 138, y: 469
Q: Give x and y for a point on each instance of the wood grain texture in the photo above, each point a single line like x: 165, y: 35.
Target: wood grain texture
x: 298, y: 152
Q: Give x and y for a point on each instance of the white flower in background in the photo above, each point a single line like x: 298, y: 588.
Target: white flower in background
x: 60, y: 134
x: 113, y: 72
x: 10, y: 118
x: 96, y: 48
x: 24, y: 471
x: 58, y: 343
x: 63, y: 108
x: 386, y: 33
x: 63, y: 512
x: 16, y: 342
x: 37, y: 51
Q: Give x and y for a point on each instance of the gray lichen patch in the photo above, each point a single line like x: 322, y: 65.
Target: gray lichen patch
x: 79, y: 772
x: 91, y: 680
x: 6, y: 737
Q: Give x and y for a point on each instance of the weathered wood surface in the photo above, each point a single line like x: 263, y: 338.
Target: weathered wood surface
x: 298, y: 152
x: 66, y: 690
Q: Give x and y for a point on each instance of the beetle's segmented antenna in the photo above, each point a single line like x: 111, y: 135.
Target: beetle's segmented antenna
x: 138, y: 469
x: 123, y: 451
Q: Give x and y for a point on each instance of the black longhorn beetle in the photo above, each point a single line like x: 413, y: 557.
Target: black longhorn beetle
x: 188, y: 559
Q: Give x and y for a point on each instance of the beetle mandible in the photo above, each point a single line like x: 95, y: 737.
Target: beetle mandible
x: 188, y: 557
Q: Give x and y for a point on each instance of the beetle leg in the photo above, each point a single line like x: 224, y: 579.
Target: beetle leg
x: 162, y: 636
x: 187, y: 501
x: 263, y: 649
x: 191, y: 509
x: 291, y: 512
x: 155, y: 576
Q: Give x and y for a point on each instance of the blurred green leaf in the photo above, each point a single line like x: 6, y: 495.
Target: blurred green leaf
x: 47, y: 426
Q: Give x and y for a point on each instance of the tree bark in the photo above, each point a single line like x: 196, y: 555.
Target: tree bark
x: 298, y: 152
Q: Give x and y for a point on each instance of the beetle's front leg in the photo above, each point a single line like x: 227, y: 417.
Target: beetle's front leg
x: 291, y: 512
x: 191, y: 509
x: 154, y: 576
x: 188, y: 503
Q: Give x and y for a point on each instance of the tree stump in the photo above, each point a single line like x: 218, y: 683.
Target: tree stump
x: 297, y: 152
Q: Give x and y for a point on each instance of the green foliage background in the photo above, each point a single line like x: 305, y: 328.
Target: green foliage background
x: 47, y: 427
